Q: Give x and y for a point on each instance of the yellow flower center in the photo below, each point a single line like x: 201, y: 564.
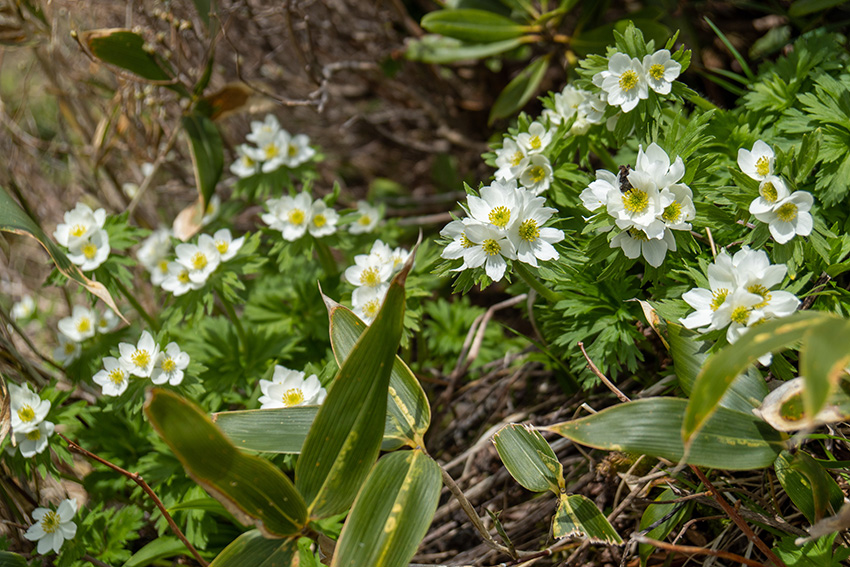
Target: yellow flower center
x: 78, y: 230
x: 635, y: 201
x: 491, y: 247
x: 116, y: 376
x: 163, y: 266
x: 529, y: 231
x: 296, y: 216
x: 50, y: 522
x: 292, y: 397
x: 740, y: 315
x: 247, y: 161
x: 517, y: 158
x: 466, y: 242
x: 199, y: 261
x: 364, y: 220
x: 89, y: 250
x: 370, y: 277
x: 26, y: 413
x: 292, y: 150
x: 84, y: 325
x: 638, y: 234
x: 210, y: 209
x: 628, y: 80
x: 657, y: 71
x: 763, y: 166
x: 34, y: 435
x: 168, y: 365
x: 70, y: 348
x: 718, y: 298
x: 769, y: 192
x: 787, y: 212
x: 537, y: 173
x: 535, y: 143
x: 500, y: 216
x: 141, y: 358
x: 759, y: 289
x: 319, y: 221
x: 672, y: 212
x: 222, y: 246
x: 371, y: 308
x: 272, y: 151
x: 183, y: 277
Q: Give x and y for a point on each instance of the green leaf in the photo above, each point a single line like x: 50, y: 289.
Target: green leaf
x: 207, y: 153
x: 474, y: 26
x: 408, y: 411
x: 520, y: 90
x: 729, y: 440
x: 733, y: 51
x: 654, y: 513
x: 812, y: 490
x: 577, y: 515
x: 807, y: 157
x: 392, y: 512
x: 8, y: 559
x: 823, y: 357
x: 14, y: 219
x: 439, y: 49
x: 160, y: 548
x: 346, y: 435
x: 806, y: 7
x: 280, y: 430
x: 250, y: 488
x: 720, y: 370
x: 529, y: 458
x: 251, y: 548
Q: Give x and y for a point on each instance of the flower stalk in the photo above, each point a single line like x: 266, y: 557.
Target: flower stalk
x: 535, y: 284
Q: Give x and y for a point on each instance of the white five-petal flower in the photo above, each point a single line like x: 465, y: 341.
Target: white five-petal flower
x: 367, y: 218
x: 661, y: 71
x: 81, y: 325
x: 27, y: 408
x: 624, y: 83
x: 139, y: 360
x: 323, y: 219
x: 113, y: 379
x: 169, y: 365
x: 789, y: 217
x: 51, y: 529
x: 757, y: 163
x: 290, y: 215
x: 34, y: 441
x: 288, y: 388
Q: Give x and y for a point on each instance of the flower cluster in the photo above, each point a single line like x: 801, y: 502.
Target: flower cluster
x: 144, y: 360
x: 583, y: 107
x: 371, y: 274
x: 740, y: 295
x: 295, y: 216
x: 29, y: 427
x: 82, y: 324
x: 288, y: 388
x: 628, y: 79
x: 521, y: 159
x: 275, y: 148
x: 53, y: 528
x: 647, y: 204
x: 787, y: 214
x: 505, y: 223
x: 83, y: 234
x: 195, y: 262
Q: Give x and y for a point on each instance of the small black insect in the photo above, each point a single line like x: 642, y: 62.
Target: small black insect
x: 623, y: 178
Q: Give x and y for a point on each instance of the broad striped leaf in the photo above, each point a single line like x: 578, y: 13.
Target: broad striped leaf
x: 252, y: 549
x: 474, y: 26
x: 823, y: 357
x: 578, y: 516
x: 529, y: 458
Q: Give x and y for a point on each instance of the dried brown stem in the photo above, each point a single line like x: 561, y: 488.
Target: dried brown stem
x: 137, y: 478
x: 692, y: 550
x: 605, y: 380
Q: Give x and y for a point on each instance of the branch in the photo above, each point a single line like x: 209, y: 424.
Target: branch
x: 605, y: 380
x: 691, y: 550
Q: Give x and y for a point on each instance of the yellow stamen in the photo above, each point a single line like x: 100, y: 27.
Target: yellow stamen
x: 529, y: 231
x: 769, y: 192
x: 635, y: 201
x: 537, y: 173
x: 319, y: 221
x: 657, y: 71
x: 740, y: 315
x: 183, y: 277
x: 465, y: 241
x: 292, y: 397
x: 199, y: 261
x: 672, y: 212
x: 168, y: 365
x: 517, y: 158
x: 89, y: 250
x: 78, y: 230
x: 296, y: 216
x: 759, y: 289
x: 26, y: 413
x: 50, y: 522
x: 787, y: 212
x: 141, y: 358
x: 628, y: 80
x: 718, y: 298
x: 491, y: 247
x: 500, y: 216
x: 116, y: 376
x: 763, y: 166
x: 370, y: 277
x: 34, y: 435
x: 222, y: 246
x: 84, y: 325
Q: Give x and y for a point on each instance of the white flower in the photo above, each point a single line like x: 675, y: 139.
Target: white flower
x: 537, y: 175
x: 640, y: 206
x: 212, y: 210
x: 661, y: 71
x: 23, y: 309
x: 322, y: 219
x: 398, y: 257
x: 53, y: 528
x: 263, y: 131
x: 225, y: 245
x: 368, y: 270
x: 681, y: 210
x: 757, y: 163
x: 107, y: 321
x: 572, y: 102
x: 497, y: 204
x: 34, y: 441
x: 298, y: 150
x: 67, y: 352
x: 624, y: 83
x: 656, y: 163
x: 154, y: 249
x: 367, y: 219
x: 200, y: 259
x: 509, y: 160
x: 491, y: 249
x: 635, y: 243
x: 178, y: 281
x: 599, y: 192
x: 81, y: 325
x: 27, y: 408
x: 160, y: 272
x: 246, y: 163
x: 79, y: 224
x: 772, y: 189
x: 535, y: 140
x: 114, y: 378
x: 90, y: 253
x: 288, y: 388
x: 789, y: 217
x: 139, y: 360
x: 366, y: 301
x: 169, y: 365
x: 289, y: 215
x: 272, y: 152
x: 533, y: 241
x: 130, y: 189
x: 456, y: 231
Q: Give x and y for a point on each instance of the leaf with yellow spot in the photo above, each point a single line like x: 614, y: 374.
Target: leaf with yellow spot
x: 529, y: 458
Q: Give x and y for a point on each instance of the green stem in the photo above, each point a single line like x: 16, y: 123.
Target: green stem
x: 535, y: 284
x: 231, y: 314
x: 606, y: 158
x: 702, y: 103
x: 326, y: 258
x: 136, y: 305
